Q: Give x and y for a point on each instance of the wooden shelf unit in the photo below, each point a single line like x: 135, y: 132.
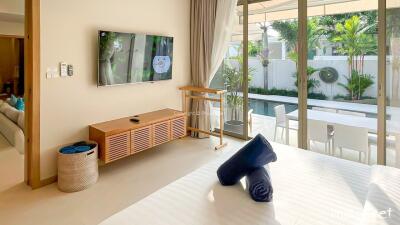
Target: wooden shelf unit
x: 121, y: 137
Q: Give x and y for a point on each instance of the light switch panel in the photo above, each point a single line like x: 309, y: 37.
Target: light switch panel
x: 70, y: 70
x: 63, y: 69
x: 49, y: 73
x: 55, y: 73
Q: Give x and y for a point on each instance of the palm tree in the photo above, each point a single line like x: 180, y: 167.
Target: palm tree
x: 355, y: 43
x: 288, y: 31
x: 264, y: 54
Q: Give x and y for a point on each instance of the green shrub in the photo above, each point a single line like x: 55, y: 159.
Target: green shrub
x: 357, y: 84
x: 284, y: 92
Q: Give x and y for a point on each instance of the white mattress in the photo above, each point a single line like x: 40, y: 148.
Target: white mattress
x: 309, y: 189
x: 382, y: 206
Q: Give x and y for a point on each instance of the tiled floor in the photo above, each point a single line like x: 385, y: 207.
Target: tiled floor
x: 11, y: 165
x: 121, y: 184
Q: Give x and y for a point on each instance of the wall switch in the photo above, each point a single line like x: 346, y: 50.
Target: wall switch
x: 55, y: 73
x: 51, y: 73
x: 63, y: 69
x: 70, y: 70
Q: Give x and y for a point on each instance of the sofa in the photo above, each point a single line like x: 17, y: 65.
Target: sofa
x: 12, y: 125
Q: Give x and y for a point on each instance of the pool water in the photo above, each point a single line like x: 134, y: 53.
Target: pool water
x: 266, y: 108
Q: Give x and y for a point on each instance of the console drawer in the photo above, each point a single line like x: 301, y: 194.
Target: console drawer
x: 161, y: 133
x: 141, y: 139
x: 178, y: 128
x: 118, y: 146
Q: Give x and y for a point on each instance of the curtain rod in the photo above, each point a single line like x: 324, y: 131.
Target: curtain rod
x: 240, y: 2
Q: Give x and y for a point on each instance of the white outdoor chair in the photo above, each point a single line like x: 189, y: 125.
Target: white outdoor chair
x: 352, y: 138
x: 318, y: 131
x: 351, y: 113
x: 330, y: 127
x: 324, y: 109
x: 281, y: 121
x: 390, y: 140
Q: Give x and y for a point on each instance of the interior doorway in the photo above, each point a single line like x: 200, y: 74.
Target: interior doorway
x: 19, y: 94
x: 12, y: 115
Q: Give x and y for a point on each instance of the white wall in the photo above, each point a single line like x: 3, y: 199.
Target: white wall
x: 69, y: 33
x: 10, y: 28
x: 12, y: 6
x: 281, y: 74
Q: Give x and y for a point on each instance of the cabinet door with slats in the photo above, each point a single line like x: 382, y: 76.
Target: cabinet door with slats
x: 178, y: 128
x: 118, y: 146
x: 141, y: 139
x: 161, y: 132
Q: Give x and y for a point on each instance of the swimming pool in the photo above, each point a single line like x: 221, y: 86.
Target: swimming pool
x: 266, y: 108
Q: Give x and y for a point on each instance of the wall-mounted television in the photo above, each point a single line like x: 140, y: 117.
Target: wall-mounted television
x: 133, y: 58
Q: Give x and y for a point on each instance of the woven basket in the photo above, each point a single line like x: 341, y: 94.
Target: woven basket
x: 78, y: 171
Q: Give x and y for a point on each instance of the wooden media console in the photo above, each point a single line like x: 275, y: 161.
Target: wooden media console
x: 121, y: 137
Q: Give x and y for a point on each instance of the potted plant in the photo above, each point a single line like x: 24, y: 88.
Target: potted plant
x: 233, y: 77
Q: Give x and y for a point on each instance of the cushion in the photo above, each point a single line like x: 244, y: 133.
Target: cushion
x: 12, y: 113
x: 20, y: 105
x: 21, y: 120
x: 13, y: 100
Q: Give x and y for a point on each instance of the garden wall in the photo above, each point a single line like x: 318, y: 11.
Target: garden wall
x: 281, y: 74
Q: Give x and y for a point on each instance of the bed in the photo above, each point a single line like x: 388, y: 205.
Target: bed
x: 309, y: 189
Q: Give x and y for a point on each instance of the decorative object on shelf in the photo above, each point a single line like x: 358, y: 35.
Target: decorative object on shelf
x: 328, y: 75
x: 121, y: 138
x: 220, y: 100
x: 77, y: 166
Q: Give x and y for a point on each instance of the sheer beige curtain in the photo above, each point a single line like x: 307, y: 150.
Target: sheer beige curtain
x: 202, y: 24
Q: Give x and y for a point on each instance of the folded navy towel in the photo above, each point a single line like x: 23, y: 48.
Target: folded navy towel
x: 257, y: 153
x: 259, y: 185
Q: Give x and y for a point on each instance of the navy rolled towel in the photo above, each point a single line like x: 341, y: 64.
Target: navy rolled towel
x: 259, y: 185
x: 257, y: 153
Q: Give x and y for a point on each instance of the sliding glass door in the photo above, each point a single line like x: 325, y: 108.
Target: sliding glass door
x: 322, y: 75
x: 230, y: 77
x: 342, y: 79
x: 272, y: 68
x: 392, y: 67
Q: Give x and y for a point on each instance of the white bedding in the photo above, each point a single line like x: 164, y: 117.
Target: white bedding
x: 309, y: 189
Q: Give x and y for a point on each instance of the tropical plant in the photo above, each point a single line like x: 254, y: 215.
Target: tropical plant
x: 254, y: 48
x: 312, y: 83
x: 329, y: 22
x: 288, y: 31
x: 233, y: 77
x: 357, y: 84
x: 355, y: 42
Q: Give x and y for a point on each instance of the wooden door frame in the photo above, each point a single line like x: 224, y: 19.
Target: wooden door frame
x: 32, y: 93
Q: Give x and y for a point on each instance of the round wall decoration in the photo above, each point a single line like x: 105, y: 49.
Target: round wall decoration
x: 328, y: 75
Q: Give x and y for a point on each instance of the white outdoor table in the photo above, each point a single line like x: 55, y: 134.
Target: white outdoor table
x: 393, y: 128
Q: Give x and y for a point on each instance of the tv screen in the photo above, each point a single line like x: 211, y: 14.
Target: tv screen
x: 132, y: 58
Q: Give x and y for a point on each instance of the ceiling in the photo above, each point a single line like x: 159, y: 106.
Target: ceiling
x: 261, y: 12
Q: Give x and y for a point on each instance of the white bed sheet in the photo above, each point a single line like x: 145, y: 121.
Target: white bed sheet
x: 309, y: 189
x: 382, y: 206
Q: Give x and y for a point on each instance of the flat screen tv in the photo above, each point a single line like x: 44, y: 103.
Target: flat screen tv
x: 132, y: 58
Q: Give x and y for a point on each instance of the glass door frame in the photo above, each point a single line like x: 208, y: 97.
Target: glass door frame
x: 302, y: 102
